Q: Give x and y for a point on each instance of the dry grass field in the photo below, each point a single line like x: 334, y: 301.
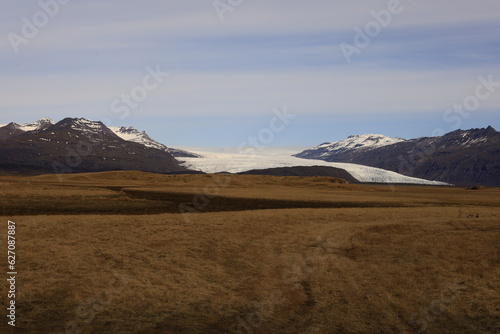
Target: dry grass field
x: 129, y: 252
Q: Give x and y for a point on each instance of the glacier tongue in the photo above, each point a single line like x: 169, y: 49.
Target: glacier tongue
x: 213, y: 160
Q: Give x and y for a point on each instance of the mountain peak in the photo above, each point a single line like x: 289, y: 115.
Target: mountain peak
x: 80, y: 124
x: 486, y: 132
x: 353, y: 143
x: 94, y: 131
x: 141, y: 137
x: 97, y: 147
x: 365, y: 135
x: 132, y: 134
x: 364, y: 141
x: 373, y: 136
x: 490, y: 130
x: 45, y: 120
x: 475, y: 134
x: 41, y: 124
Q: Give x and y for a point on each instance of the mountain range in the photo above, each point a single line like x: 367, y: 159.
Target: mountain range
x: 80, y: 145
x: 461, y: 157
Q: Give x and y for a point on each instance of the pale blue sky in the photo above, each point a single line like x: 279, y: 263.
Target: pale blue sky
x: 227, y: 76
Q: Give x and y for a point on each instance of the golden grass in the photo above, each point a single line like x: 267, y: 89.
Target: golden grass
x: 333, y: 270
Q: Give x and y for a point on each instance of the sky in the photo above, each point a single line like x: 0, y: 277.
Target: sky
x: 215, y: 73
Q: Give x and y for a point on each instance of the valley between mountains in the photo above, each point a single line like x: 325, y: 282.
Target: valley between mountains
x: 118, y: 233
x: 76, y: 145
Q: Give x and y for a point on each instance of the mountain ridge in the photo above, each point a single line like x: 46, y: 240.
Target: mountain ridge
x: 79, y: 145
x: 132, y: 134
x: 461, y: 157
x: 15, y: 129
x: 358, y: 142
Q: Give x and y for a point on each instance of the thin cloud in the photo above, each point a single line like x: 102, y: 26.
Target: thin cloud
x: 263, y: 55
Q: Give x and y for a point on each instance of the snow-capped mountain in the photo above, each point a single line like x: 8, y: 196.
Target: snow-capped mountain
x: 460, y: 157
x: 80, y: 145
x: 354, y: 143
x: 41, y: 124
x: 84, y: 130
x: 236, y: 161
x: 93, y: 130
x: 14, y: 129
x: 136, y: 136
x: 463, y: 157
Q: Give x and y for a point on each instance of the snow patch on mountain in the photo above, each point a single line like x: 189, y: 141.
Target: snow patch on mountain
x: 363, y: 141
x: 352, y: 143
x: 136, y: 136
x: 92, y: 131
x: 40, y: 124
x: 86, y: 125
x: 235, y: 160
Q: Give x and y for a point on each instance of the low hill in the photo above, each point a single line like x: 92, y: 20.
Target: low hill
x: 339, y: 173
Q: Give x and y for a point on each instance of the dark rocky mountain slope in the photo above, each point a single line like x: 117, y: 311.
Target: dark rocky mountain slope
x: 461, y: 157
x: 79, y: 145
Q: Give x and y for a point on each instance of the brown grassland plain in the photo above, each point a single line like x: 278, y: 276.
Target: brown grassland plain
x: 111, y: 253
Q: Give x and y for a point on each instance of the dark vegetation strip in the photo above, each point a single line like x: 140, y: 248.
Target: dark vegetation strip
x: 222, y: 203
x: 137, y: 202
